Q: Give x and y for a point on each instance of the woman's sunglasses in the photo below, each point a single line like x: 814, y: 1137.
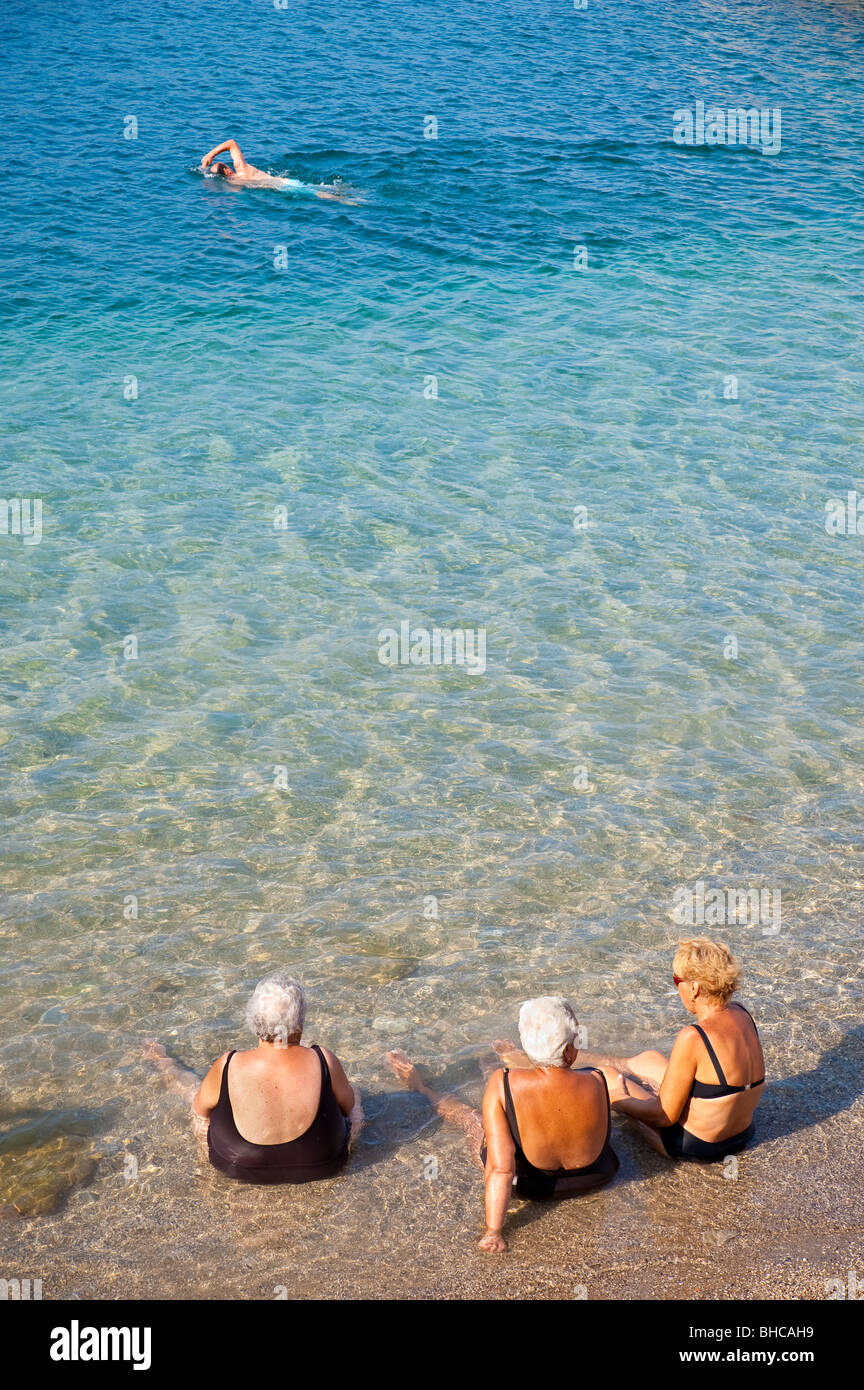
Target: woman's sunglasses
x: 676, y: 981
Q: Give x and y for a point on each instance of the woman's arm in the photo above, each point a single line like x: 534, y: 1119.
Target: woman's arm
x: 651, y: 1111
x: 347, y: 1096
x: 342, y: 1088
x: 500, y: 1164
x: 205, y: 1101
x: 206, y: 1097
x: 666, y: 1108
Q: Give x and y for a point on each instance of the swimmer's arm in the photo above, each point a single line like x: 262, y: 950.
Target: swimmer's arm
x: 206, y: 1097
x: 665, y: 1108
x: 500, y: 1164
x: 232, y: 148
x: 347, y: 1096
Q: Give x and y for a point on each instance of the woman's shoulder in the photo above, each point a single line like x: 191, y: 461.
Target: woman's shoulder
x: 494, y: 1089
x: 331, y: 1062
x: 216, y: 1068
x: 735, y: 1014
x: 585, y: 1078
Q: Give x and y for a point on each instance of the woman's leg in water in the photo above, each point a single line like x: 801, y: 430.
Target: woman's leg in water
x: 183, y: 1080
x: 646, y: 1067
x: 638, y: 1092
x: 180, y: 1078
x: 451, y: 1110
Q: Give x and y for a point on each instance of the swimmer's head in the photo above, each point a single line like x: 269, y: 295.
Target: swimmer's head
x: 277, y: 1010
x: 220, y: 170
x: 548, y: 1030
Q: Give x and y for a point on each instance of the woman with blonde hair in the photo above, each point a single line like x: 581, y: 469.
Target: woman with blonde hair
x: 699, y: 1103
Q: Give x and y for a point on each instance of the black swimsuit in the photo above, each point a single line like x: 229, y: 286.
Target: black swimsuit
x: 317, y: 1153
x: 559, y: 1182
x: 680, y: 1143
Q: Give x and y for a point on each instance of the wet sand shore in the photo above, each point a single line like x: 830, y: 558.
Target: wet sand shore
x: 389, y: 1228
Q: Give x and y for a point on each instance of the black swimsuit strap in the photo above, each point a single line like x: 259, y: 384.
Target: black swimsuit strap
x: 223, y: 1089
x: 510, y: 1111
x: 602, y: 1075
x: 712, y: 1054
x: 608, y: 1108
x: 326, y: 1080
x: 749, y: 1015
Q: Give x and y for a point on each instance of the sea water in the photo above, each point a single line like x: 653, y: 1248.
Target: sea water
x: 579, y: 374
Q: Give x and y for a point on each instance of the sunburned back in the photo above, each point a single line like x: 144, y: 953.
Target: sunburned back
x: 736, y: 1044
x: 562, y: 1115
x: 275, y: 1096
x: 250, y: 177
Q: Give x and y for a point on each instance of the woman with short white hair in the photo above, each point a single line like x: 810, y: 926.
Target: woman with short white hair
x: 281, y: 1112
x: 558, y: 1146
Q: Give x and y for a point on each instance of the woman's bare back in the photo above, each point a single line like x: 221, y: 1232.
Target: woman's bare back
x: 275, y: 1097
x: 733, y: 1036
x: 562, y: 1115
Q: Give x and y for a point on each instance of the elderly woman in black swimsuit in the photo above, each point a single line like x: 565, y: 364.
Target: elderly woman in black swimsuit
x: 699, y: 1103
x: 544, y: 1129
x: 280, y: 1113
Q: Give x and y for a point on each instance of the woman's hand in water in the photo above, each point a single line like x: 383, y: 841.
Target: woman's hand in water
x: 493, y: 1243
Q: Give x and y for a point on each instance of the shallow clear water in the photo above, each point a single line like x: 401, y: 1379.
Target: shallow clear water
x: 412, y: 791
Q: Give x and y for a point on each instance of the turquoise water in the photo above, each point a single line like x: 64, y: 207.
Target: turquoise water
x: 426, y: 861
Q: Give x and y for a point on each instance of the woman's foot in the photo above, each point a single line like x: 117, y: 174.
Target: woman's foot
x: 408, y: 1074
x: 182, y: 1079
x: 510, y: 1054
x: 452, y: 1110
x: 155, y: 1053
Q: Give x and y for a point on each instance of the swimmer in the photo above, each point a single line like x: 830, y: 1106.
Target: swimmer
x: 245, y: 175
x: 558, y: 1116
x: 699, y: 1103
x: 284, y: 1112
